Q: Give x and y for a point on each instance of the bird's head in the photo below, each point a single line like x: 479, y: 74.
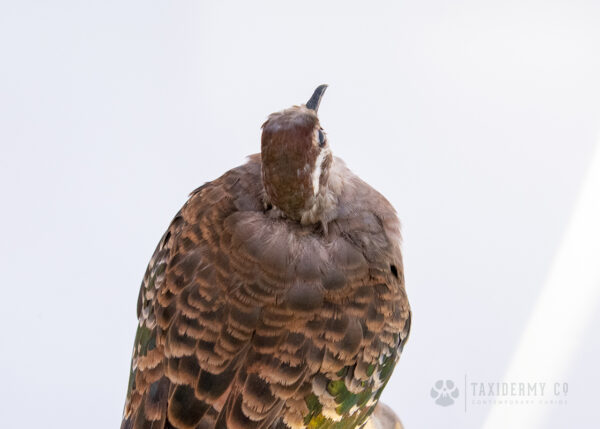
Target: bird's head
x: 295, y: 158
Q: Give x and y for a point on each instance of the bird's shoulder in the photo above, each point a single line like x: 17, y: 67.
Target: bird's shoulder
x: 231, y: 214
x: 365, y: 216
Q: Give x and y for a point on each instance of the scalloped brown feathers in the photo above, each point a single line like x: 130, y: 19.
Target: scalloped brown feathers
x: 250, y: 319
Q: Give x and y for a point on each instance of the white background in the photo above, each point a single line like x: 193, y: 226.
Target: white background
x: 477, y: 119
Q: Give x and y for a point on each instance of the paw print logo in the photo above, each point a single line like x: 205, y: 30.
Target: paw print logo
x: 444, y: 392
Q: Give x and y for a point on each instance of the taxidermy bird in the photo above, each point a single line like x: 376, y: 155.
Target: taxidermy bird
x: 276, y: 297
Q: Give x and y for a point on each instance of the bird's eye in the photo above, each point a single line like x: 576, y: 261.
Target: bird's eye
x: 321, y: 138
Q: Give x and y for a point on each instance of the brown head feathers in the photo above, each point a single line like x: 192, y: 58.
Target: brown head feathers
x: 296, y: 160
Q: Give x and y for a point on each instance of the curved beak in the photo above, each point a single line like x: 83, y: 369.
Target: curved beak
x: 315, y: 100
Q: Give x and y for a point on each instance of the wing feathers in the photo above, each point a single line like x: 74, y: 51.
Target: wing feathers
x: 251, y: 321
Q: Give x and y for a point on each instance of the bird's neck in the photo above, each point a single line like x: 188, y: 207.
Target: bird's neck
x: 318, y: 208
x: 323, y: 207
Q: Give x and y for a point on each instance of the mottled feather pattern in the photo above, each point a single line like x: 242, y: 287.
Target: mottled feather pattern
x: 251, y: 320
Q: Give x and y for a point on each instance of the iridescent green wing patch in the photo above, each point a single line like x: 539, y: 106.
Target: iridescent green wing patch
x: 353, y: 409
x: 145, y: 341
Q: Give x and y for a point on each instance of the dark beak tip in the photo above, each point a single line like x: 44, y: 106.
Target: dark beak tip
x: 315, y: 100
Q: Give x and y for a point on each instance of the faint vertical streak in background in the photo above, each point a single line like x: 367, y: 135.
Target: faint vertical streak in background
x: 563, y: 310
